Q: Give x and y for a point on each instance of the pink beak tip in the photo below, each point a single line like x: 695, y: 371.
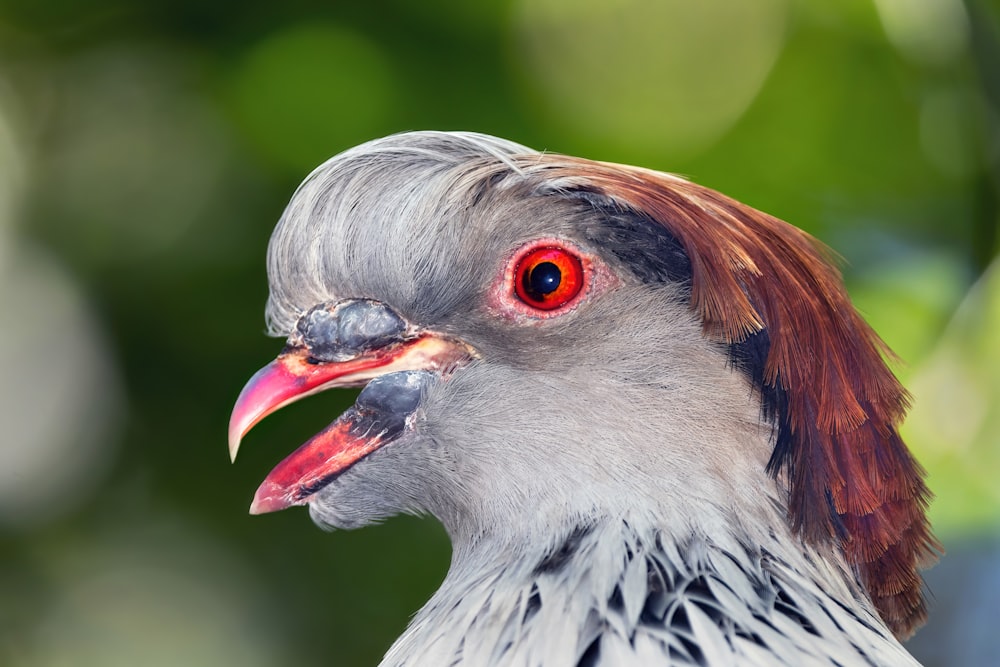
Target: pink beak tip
x: 269, y: 498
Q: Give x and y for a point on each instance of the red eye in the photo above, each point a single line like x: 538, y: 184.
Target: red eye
x: 548, y: 277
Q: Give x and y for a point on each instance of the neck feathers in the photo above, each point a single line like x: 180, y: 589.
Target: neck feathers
x: 612, y: 594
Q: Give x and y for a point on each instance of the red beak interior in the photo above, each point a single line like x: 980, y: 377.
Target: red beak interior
x: 294, y: 375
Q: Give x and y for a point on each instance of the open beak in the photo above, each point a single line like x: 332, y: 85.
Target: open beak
x: 346, y: 344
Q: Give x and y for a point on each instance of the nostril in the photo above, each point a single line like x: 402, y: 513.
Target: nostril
x: 341, y: 330
x: 365, y: 323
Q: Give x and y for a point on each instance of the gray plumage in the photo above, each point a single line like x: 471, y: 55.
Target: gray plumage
x: 602, y: 474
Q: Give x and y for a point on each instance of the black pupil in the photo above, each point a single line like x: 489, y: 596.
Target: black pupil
x: 544, y: 279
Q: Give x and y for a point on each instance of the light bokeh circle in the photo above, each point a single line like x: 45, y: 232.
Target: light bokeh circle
x: 666, y: 76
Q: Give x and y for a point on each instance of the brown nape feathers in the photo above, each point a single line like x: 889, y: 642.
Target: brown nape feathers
x: 836, y: 403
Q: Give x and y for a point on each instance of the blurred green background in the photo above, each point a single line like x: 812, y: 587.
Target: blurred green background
x: 148, y: 148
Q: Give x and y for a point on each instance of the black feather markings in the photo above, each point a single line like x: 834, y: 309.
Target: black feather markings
x: 643, y: 246
x: 559, y: 557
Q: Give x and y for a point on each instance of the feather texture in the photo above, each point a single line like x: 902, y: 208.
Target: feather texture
x: 700, y: 605
x: 851, y: 478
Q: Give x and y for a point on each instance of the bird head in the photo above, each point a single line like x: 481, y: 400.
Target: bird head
x: 544, y: 340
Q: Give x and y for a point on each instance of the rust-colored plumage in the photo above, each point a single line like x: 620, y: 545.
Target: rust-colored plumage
x: 850, y: 476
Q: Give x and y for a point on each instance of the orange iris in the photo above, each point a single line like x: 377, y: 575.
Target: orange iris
x: 548, y: 277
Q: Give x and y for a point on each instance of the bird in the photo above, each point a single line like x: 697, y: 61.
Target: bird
x: 648, y: 416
